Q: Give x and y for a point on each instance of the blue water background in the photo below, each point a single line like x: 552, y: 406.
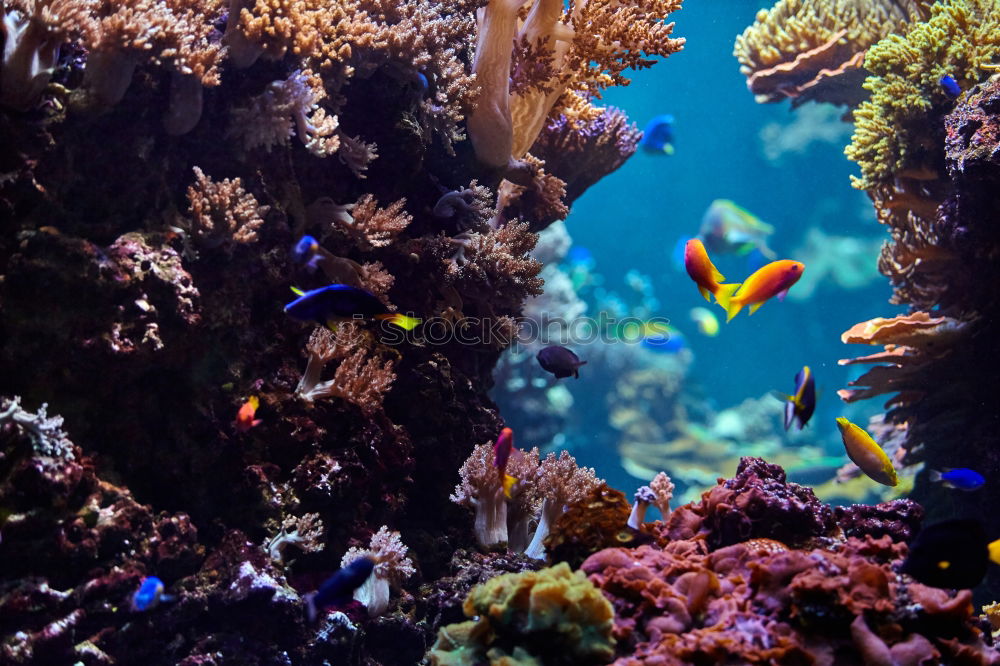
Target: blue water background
x: 633, y: 218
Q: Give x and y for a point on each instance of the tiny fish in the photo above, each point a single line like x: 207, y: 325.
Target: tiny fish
x: 660, y: 337
x: 149, y: 595
x: 339, y: 588
x: 306, y: 251
x: 245, y: 415
x: 560, y: 361
x: 950, y: 86
x: 774, y: 279
x: 801, y: 405
x: 338, y: 302
x: 701, y: 269
x: 708, y: 323
x: 961, y: 478
x: 866, y: 453
x: 952, y: 554
x: 658, y: 137
x: 502, y: 451
x: 727, y: 228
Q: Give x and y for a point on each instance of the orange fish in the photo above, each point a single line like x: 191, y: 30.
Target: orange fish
x: 502, y: 451
x: 701, y: 269
x: 245, y: 416
x: 773, y: 279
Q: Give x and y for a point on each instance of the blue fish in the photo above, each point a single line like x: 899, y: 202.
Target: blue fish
x: 960, y: 478
x: 339, y: 588
x: 658, y: 137
x: 950, y: 86
x: 800, y: 405
x: 661, y: 338
x: 337, y: 302
x: 306, y: 251
x: 149, y: 595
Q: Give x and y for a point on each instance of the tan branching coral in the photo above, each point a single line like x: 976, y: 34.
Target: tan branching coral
x: 304, y: 532
x: 33, y: 31
x: 479, y: 489
x: 498, y: 257
x: 362, y: 378
x: 815, y: 49
x: 371, y: 226
x: 560, y: 483
x: 582, y: 48
x: 223, y: 212
x: 354, y: 37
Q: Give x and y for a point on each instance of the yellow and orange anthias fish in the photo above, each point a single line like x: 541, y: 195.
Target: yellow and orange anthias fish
x: 701, y: 269
x: 773, y: 279
x: 245, y: 416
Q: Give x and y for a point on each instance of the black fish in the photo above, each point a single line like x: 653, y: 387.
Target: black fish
x: 560, y: 361
x: 952, y: 554
x: 339, y: 588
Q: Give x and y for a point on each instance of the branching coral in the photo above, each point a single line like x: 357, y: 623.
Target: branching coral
x: 497, y: 259
x: 583, y: 48
x: 392, y: 566
x: 896, y: 131
x: 223, y: 212
x: 46, y: 433
x: 304, y: 532
x: 552, y: 616
x: 814, y: 49
x: 287, y: 107
x: 371, y: 226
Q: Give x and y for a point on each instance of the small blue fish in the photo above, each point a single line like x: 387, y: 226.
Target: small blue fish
x: 329, y: 305
x: 950, y: 86
x: 339, y: 588
x: 149, y: 595
x: 960, y: 478
x: 658, y: 137
x: 306, y: 251
x: 662, y: 338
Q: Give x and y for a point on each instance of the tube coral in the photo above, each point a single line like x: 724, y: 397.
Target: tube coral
x: 392, y: 566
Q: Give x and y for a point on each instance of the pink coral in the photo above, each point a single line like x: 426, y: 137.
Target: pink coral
x: 480, y: 489
x: 223, y: 212
x: 560, y: 482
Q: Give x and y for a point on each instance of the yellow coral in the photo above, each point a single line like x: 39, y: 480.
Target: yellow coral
x: 536, y: 614
x: 799, y: 47
x: 894, y: 130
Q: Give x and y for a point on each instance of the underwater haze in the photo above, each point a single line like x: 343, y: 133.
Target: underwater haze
x: 499, y: 332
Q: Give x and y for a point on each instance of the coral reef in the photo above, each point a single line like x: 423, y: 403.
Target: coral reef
x: 815, y: 49
x: 161, y: 162
x: 709, y: 593
x: 928, y: 162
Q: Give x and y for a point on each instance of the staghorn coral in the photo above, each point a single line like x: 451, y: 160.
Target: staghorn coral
x: 897, y: 131
x: 553, y: 616
x: 392, y: 566
x: 814, y: 49
x: 371, y: 226
x: 224, y: 213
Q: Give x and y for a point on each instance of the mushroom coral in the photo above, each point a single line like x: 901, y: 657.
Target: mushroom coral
x: 552, y: 616
x: 814, y: 49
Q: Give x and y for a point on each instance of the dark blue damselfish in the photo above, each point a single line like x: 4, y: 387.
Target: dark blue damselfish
x: 339, y: 587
